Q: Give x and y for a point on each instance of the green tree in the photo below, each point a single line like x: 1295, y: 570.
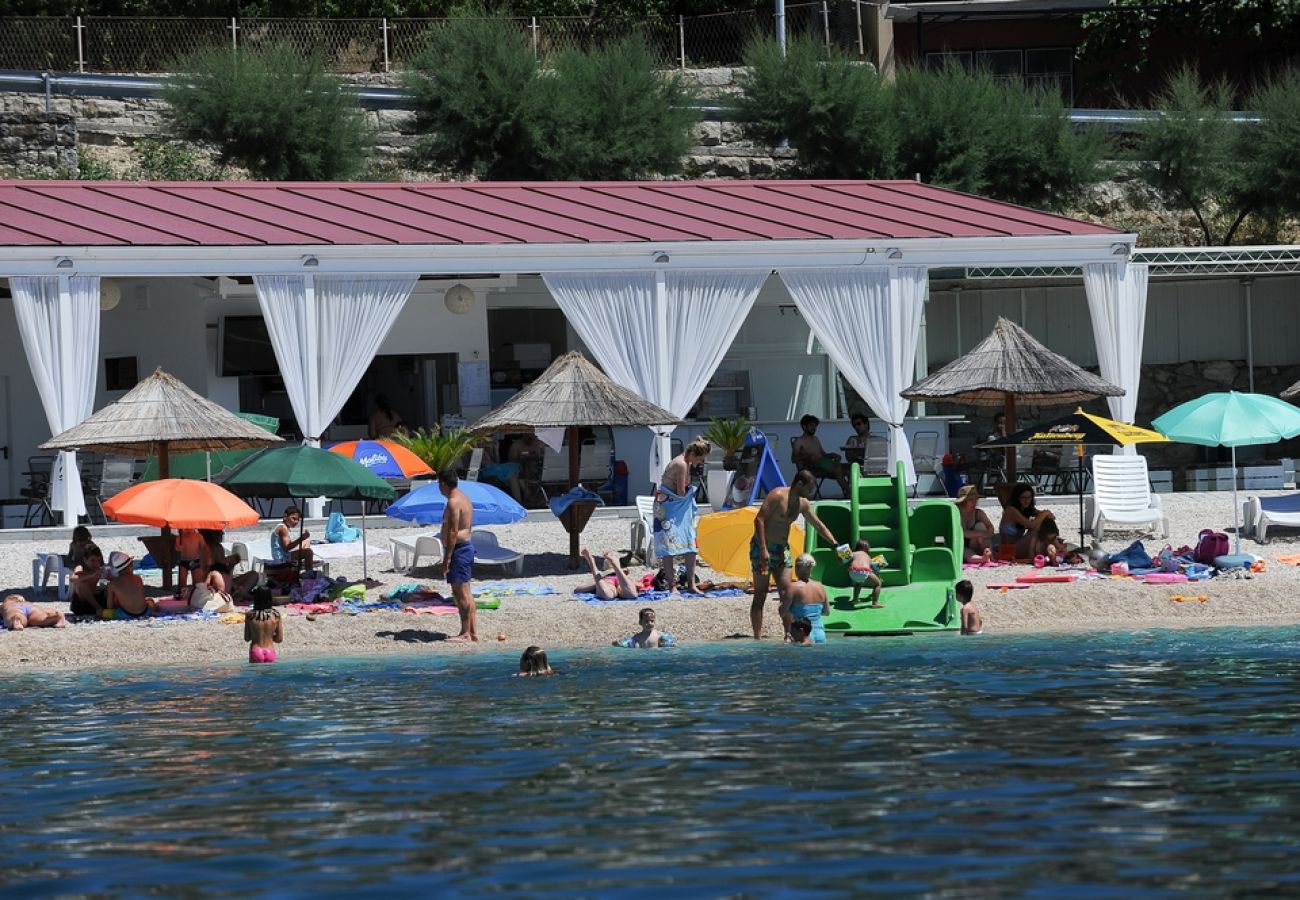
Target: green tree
x: 483, y: 108
x: 960, y: 130
x: 1195, y: 158
x: 1275, y: 146
x: 607, y: 114
x: 832, y: 110
x: 275, y: 112
x: 971, y: 132
x: 471, y: 88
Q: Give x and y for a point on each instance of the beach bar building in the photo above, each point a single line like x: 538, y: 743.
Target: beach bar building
x: 304, y: 301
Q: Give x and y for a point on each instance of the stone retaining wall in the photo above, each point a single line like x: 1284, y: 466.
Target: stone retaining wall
x: 37, y: 144
x: 113, y: 127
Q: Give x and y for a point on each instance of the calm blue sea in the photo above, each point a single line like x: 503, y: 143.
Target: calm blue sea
x: 1124, y: 764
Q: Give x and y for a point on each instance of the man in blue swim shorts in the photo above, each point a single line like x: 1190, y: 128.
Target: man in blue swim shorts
x: 458, y: 551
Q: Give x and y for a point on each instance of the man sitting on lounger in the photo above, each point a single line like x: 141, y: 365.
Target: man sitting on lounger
x: 808, y: 453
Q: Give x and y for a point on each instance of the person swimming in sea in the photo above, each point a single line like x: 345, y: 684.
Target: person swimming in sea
x: 971, y: 621
x: 649, y: 637
x: 263, y: 628
x: 533, y: 664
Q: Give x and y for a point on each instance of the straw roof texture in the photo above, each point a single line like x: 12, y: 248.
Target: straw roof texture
x: 161, y: 409
x: 1010, y: 362
x: 1292, y: 391
x: 572, y: 392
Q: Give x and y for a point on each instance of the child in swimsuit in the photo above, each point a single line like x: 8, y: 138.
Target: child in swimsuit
x: 263, y: 628
x: 190, y: 548
x: 17, y: 614
x: 77, y: 549
x: 533, y: 664
x: 801, y: 632
x: 649, y: 636
x: 971, y: 622
x: 862, y: 571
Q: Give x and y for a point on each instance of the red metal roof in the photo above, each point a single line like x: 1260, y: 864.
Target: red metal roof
x: 100, y: 213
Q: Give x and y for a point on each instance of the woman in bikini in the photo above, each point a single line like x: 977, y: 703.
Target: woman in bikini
x: 1021, y: 521
x: 976, y: 526
x: 17, y: 614
x: 614, y: 586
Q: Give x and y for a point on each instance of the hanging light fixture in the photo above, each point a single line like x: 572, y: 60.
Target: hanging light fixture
x: 459, y: 299
x: 110, y: 294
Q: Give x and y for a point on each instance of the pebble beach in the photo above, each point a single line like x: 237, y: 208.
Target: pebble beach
x: 559, y: 620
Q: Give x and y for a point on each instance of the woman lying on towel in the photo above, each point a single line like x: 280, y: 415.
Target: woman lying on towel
x: 614, y: 586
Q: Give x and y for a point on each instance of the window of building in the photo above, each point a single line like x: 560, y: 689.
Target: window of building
x: 121, y: 373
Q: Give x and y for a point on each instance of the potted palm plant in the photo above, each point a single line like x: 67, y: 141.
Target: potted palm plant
x: 439, y: 449
x: 728, y: 435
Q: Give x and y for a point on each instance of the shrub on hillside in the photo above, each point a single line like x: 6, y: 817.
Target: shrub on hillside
x: 830, y: 109
x: 1276, y: 145
x: 483, y: 108
x: 608, y: 115
x: 960, y: 130
x: 275, y: 112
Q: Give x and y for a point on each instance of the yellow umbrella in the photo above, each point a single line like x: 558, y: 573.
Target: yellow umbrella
x: 723, y: 540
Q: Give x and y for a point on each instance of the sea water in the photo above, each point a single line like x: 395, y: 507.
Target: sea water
x: 1128, y: 764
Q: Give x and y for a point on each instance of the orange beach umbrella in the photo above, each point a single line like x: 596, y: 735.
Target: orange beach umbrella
x: 180, y: 503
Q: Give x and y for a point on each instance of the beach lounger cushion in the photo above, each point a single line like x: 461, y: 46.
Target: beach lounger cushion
x: 1265, y: 511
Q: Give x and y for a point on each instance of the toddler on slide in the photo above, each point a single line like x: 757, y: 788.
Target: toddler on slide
x: 862, y: 571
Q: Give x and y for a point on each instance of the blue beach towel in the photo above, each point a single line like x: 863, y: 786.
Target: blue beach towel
x: 578, y: 494
x: 651, y: 596
x: 674, y: 521
x: 338, y: 531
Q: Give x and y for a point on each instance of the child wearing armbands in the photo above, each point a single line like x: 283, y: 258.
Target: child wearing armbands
x: 862, y: 571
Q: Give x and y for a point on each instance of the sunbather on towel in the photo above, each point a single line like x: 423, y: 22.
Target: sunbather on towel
x: 17, y: 614
x: 615, y: 586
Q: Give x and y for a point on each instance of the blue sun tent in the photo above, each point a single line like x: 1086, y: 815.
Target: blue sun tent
x: 758, y: 473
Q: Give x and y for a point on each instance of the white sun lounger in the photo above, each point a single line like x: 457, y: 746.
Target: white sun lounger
x: 1261, y: 512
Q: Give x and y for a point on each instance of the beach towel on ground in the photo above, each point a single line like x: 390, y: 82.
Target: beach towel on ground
x: 651, y: 596
x: 674, y: 521
x: 530, y: 588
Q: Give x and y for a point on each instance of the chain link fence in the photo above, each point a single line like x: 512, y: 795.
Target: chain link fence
x: 355, y: 46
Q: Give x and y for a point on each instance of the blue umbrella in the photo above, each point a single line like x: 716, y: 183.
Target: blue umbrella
x: 425, y: 505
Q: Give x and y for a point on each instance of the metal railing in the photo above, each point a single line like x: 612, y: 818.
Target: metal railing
x: 355, y: 46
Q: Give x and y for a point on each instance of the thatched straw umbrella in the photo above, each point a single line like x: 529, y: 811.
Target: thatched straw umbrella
x: 1291, y: 392
x: 161, y: 415
x: 571, y: 394
x: 1010, y: 367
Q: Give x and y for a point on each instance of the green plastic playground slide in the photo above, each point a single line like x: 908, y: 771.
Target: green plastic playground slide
x: 922, y: 549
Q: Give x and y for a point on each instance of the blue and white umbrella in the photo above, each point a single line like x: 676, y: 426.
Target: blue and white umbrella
x: 426, y: 504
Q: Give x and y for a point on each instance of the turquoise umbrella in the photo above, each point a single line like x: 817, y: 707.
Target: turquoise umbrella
x: 1231, y: 420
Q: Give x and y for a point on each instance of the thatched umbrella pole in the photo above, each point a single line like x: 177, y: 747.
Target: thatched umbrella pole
x: 165, y: 554
x: 1009, y: 413
x: 574, y: 470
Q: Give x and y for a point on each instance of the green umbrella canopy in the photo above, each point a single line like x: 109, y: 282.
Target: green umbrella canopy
x: 200, y: 466
x: 302, y: 471
x: 1230, y: 419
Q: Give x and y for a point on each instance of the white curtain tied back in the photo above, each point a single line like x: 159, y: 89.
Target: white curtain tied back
x: 58, y: 320
x: 325, y: 330
x: 868, y: 318
x: 1117, y: 303
x: 660, y: 334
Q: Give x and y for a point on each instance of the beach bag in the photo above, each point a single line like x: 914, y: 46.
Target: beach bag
x: 1211, y: 544
x: 338, y: 531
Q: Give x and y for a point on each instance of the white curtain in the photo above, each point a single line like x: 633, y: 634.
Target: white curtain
x: 58, y: 319
x: 869, y: 319
x: 326, y: 330
x: 1117, y: 302
x: 660, y: 334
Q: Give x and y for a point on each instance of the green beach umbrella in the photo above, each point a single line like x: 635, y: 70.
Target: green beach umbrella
x: 205, y: 465
x: 1231, y: 420
x: 302, y: 471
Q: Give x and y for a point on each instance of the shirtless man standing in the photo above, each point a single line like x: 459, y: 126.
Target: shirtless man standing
x: 125, y: 588
x: 769, y: 549
x: 458, y: 552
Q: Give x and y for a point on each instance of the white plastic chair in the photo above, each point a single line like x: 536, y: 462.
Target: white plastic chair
x: 46, y: 565
x: 876, y: 461
x: 643, y: 544
x: 408, y: 551
x: 1122, y: 496
x: 489, y: 552
x: 475, y: 463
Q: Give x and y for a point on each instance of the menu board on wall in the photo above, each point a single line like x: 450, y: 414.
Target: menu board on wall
x: 475, y: 385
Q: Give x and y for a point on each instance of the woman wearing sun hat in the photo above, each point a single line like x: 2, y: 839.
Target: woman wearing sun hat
x: 976, y: 526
